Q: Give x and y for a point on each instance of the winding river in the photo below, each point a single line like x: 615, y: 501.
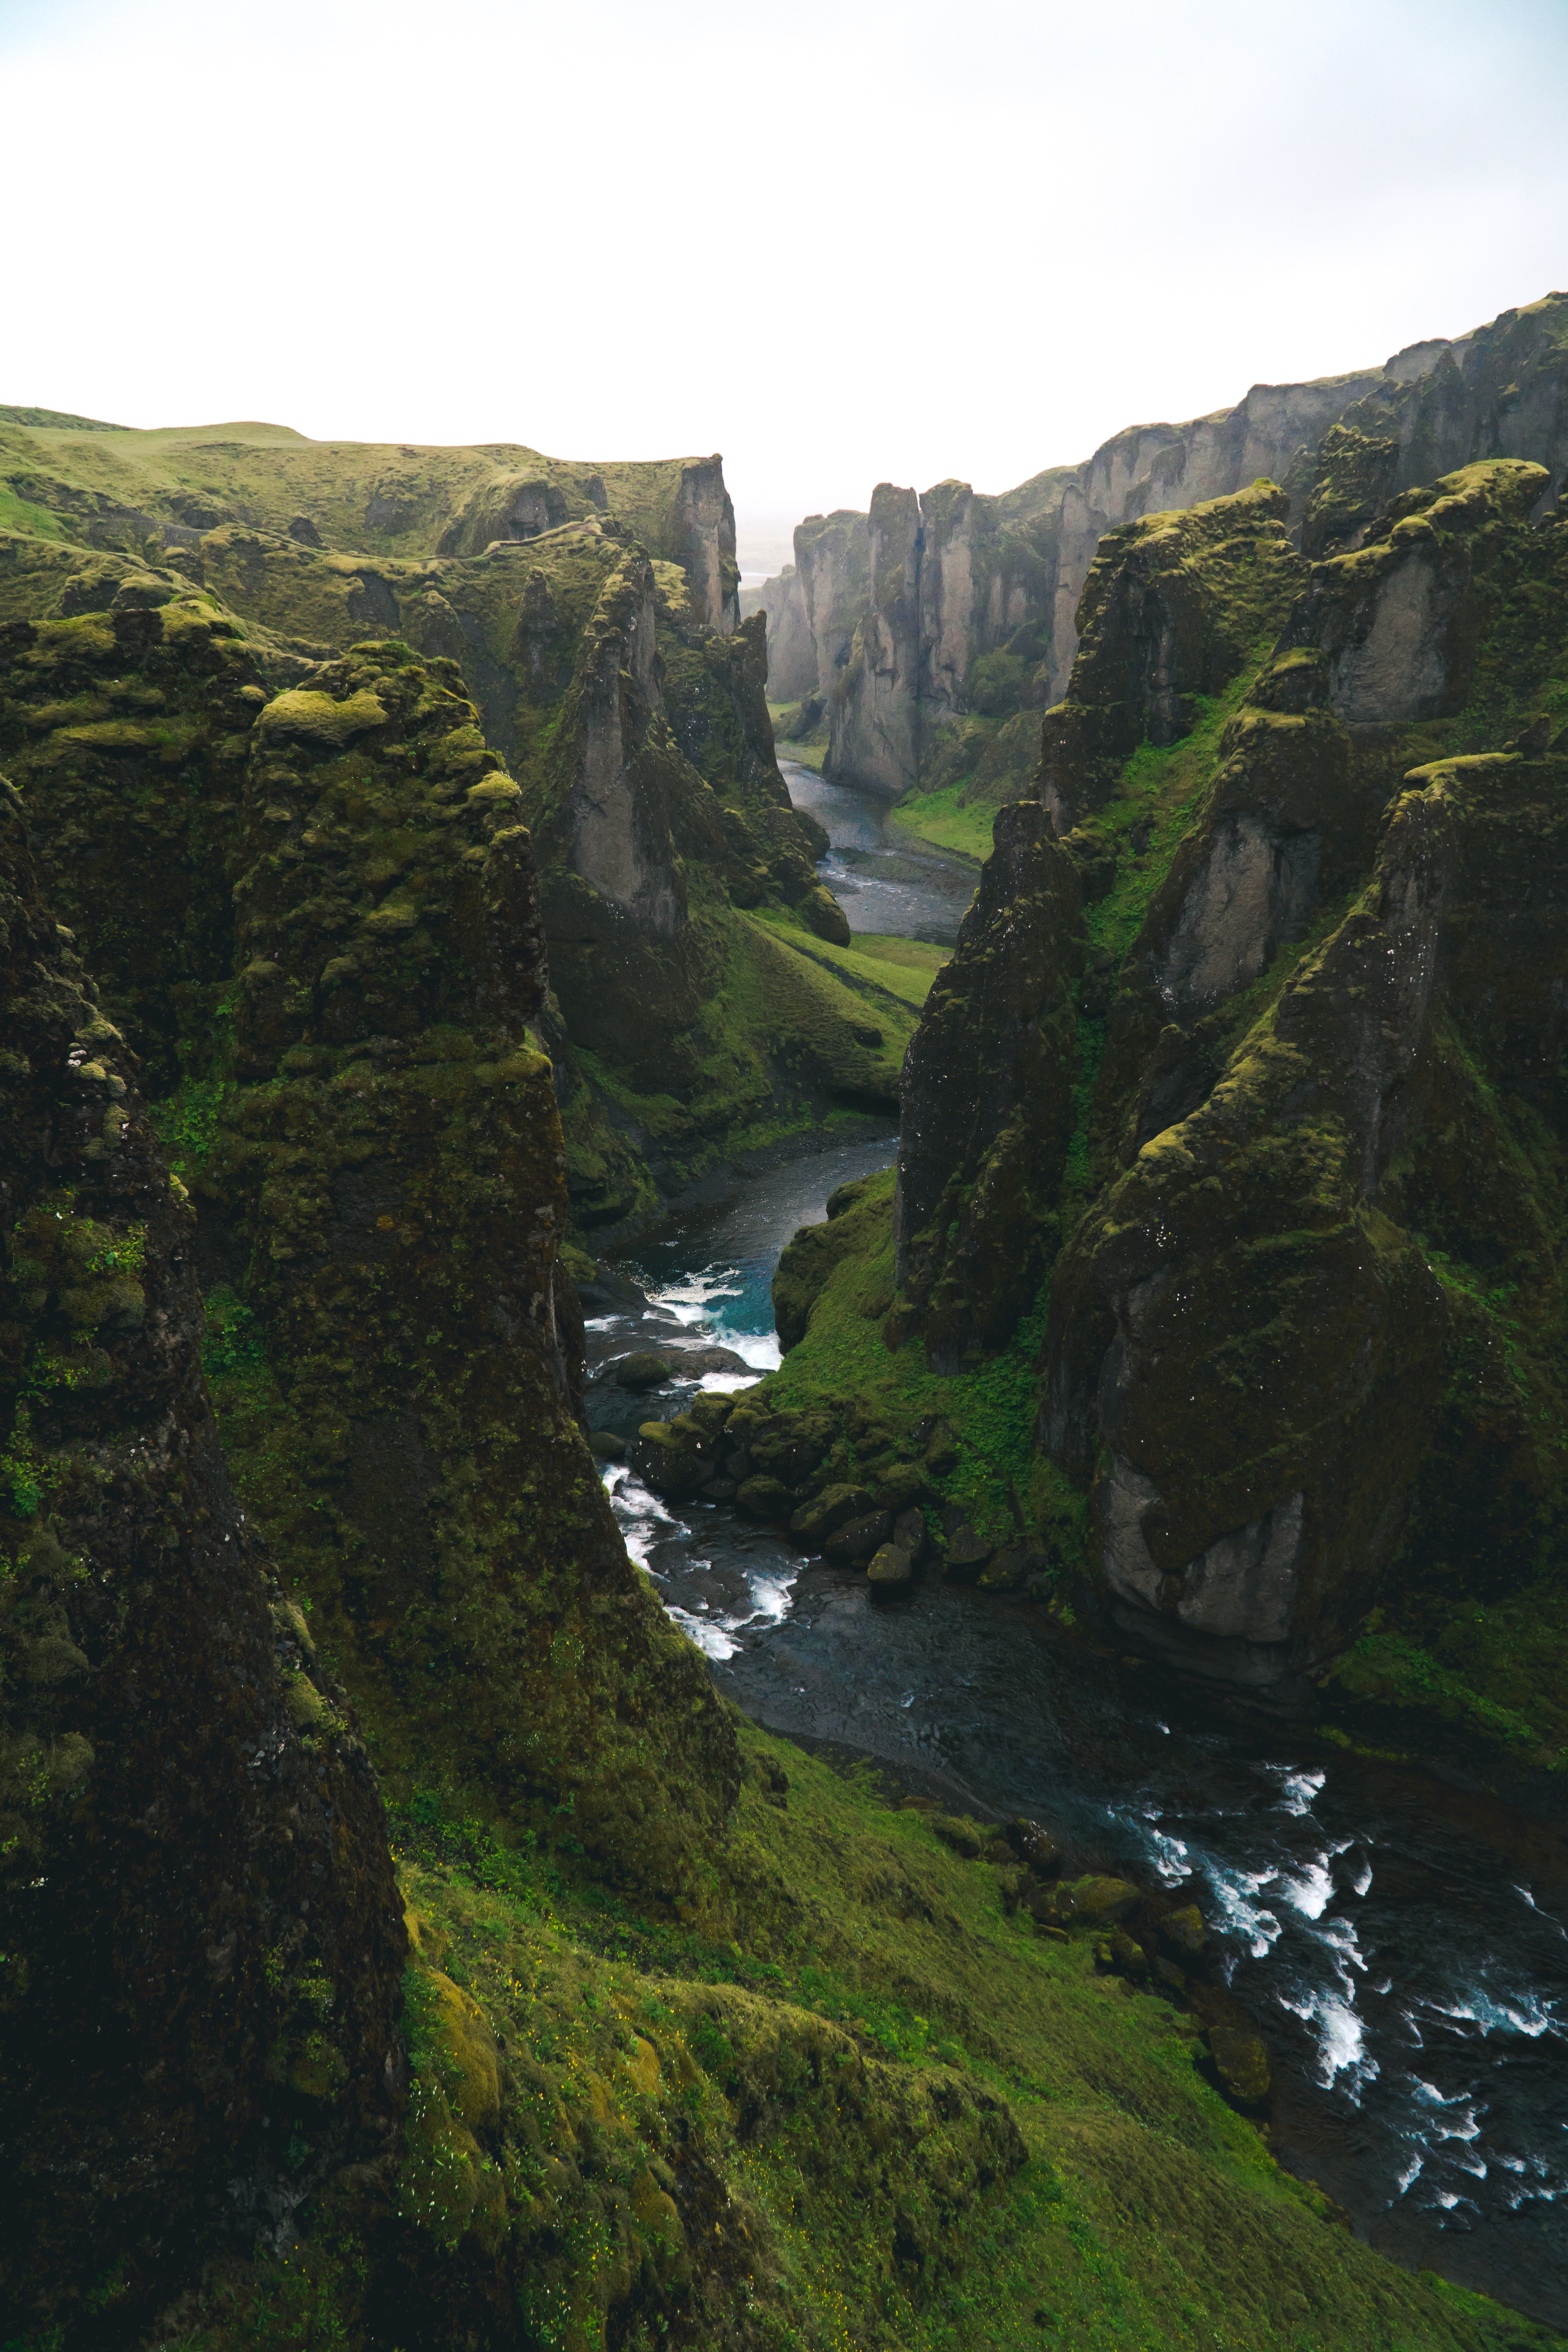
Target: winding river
x: 1398, y: 1937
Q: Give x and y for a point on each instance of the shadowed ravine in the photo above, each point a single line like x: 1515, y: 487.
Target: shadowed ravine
x: 1394, y: 1935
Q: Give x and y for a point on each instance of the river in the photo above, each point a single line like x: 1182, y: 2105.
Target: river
x: 1397, y: 1936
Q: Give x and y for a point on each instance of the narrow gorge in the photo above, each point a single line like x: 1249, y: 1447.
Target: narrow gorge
x: 782, y: 1390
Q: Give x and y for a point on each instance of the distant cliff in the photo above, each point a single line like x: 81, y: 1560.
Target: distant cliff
x: 937, y: 621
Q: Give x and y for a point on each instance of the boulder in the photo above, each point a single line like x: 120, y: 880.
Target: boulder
x: 823, y: 915
x: 967, y: 1552
x: 606, y: 1292
x: 665, y: 1460
x: 910, y: 1535
x: 606, y: 1445
x: 900, y: 1485
x: 1241, y: 2062
x: 1097, y: 1901
x: 763, y: 1498
x: 816, y: 1520
x: 1127, y: 1957
x: 687, y: 1363
x: 1036, y: 1846
x: 1012, y: 1566
x: 892, y: 1569
x: 858, y: 1538
x: 1182, y: 1931
x: 964, y: 1837
x: 643, y: 1370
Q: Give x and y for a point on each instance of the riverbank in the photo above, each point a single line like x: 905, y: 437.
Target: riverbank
x: 1393, y: 1938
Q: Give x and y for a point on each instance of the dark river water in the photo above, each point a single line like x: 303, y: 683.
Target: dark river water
x: 1399, y: 1940
x: 886, y: 880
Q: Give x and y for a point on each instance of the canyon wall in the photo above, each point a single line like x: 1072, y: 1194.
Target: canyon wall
x: 925, y: 680
x: 204, y: 1943
x: 1196, y: 1125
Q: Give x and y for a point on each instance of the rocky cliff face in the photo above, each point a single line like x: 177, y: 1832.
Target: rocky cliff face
x: 832, y: 555
x: 1298, y: 833
x: 999, y: 580
x: 875, y: 738
x: 200, y: 1984
x: 792, y: 664
x: 987, y: 1100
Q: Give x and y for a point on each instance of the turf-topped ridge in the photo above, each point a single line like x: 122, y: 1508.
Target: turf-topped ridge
x: 55, y: 420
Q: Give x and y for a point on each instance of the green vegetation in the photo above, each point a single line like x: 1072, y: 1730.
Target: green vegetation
x: 705, y: 2042
x: 945, y: 820
x: 880, y: 964
x: 859, y: 2102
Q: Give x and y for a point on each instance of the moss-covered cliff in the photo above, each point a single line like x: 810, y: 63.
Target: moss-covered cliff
x: 371, y: 1129
x: 199, y: 1983
x: 692, y: 2041
x: 680, y: 1031
x: 1228, y: 1055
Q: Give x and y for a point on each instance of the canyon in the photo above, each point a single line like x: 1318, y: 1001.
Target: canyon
x: 924, y: 635
x: 408, y: 922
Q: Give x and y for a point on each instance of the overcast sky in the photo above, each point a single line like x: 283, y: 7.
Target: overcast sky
x: 839, y: 241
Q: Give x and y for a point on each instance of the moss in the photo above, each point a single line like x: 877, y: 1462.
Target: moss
x: 385, y: 1160
x: 151, y: 1677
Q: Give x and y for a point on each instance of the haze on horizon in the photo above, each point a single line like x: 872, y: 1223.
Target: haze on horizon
x: 841, y: 243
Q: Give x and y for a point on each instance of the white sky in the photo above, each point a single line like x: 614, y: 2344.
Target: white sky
x: 839, y: 241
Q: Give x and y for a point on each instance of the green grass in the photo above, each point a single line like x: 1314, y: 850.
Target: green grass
x: 21, y: 514
x: 896, y: 2119
x: 942, y: 819
x: 1165, y: 787
x: 806, y: 755
x: 901, y: 968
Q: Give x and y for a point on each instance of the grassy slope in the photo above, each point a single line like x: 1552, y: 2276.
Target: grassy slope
x: 367, y: 498
x: 942, y: 819
x: 816, y: 2050
x: 809, y: 755
x: 787, y: 1003
x: 880, y: 964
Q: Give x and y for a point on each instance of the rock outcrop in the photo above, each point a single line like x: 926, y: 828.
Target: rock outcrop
x: 372, y: 1131
x: 875, y: 740
x: 432, y: 1484
x: 1172, y: 608
x: 202, y: 1942
x: 792, y: 666
x: 987, y: 1100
